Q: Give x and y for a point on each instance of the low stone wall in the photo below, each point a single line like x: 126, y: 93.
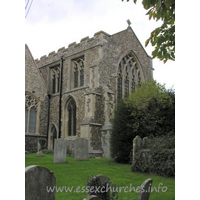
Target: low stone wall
x: 31, y: 142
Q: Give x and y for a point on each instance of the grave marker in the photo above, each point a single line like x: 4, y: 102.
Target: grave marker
x: 37, y: 179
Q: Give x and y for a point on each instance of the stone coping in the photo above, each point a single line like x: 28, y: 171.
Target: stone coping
x: 35, y: 135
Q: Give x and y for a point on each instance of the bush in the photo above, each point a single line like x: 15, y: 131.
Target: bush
x: 162, y: 155
x: 123, y: 132
x: 150, y: 111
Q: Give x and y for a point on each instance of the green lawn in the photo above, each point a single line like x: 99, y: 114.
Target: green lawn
x: 75, y: 173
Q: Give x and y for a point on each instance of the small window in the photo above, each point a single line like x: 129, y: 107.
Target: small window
x: 32, y: 120
x: 55, y: 79
x: 78, y: 72
x: 71, y: 108
x: 31, y: 112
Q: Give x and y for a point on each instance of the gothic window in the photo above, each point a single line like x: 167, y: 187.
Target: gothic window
x: 78, y: 72
x: 55, y: 79
x: 119, y: 87
x: 71, y: 108
x: 128, y: 76
x: 126, y: 84
x: 32, y: 120
x: 76, y: 76
x: 31, y: 112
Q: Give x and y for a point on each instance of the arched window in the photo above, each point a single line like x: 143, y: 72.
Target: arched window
x: 55, y: 79
x: 128, y: 75
x: 32, y: 120
x: 31, y: 112
x: 78, y: 72
x: 71, y: 110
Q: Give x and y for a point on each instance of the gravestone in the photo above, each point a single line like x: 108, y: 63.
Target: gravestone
x: 59, y: 151
x: 137, y: 142
x: 100, y: 186
x: 37, y: 179
x: 93, y: 197
x: 145, y: 190
x: 39, y: 153
x: 81, y: 149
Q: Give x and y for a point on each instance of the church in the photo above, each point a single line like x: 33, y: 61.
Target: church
x: 73, y: 92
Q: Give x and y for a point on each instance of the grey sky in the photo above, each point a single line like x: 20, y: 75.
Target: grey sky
x: 52, y: 24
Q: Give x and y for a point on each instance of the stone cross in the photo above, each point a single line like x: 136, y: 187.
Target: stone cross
x: 129, y: 22
x: 145, y: 190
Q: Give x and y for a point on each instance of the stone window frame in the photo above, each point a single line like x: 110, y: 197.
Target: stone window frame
x: 129, y: 71
x: 66, y: 118
x: 51, y: 136
x: 54, y: 71
x: 31, y: 101
x: 77, y: 65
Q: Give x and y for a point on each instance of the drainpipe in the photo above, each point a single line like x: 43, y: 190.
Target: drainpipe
x: 60, y: 100
x: 48, y: 116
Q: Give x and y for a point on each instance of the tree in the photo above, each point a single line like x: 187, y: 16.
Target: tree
x: 154, y: 106
x: 150, y: 111
x: 163, y: 37
x: 124, y: 129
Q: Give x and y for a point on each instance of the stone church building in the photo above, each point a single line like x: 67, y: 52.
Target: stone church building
x: 73, y: 92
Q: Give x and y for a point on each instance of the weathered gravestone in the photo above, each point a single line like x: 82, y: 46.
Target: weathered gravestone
x: 93, y: 197
x: 100, y: 186
x: 59, y: 151
x: 39, y: 153
x: 37, y: 179
x: 145, y: 190
x: 137, y: 142
x: 81, y: 149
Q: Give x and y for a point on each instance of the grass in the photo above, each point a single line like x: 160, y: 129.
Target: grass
x: 75, y: 173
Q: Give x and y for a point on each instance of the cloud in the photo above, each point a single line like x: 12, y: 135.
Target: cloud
x: 52, y: 24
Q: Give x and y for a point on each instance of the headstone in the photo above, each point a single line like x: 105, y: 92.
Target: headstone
x: 37, y: 180
x: 59, y: 151
x: 81, y: 149
x: 100, y: 186
x: 39, y: 153
x: 145, y: 190
x: 137, y: 141
x: 93, y: 197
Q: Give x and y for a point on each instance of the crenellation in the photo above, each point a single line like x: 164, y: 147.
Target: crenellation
x: 61, y: 49
x: 85, y: 39
x: 43, y: 57
x: 101, y: 32
x: 71, y: 44
x: 90, y: 39
x: 95, y: 98
x: 77, y: 45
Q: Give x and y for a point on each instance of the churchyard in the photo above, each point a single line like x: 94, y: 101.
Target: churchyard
x: 74, y: 174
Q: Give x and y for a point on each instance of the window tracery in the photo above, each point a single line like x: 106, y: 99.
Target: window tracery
x: 31, y: 110
x: 55, y: 79
x: 78, y: 72
x: 128, y: 76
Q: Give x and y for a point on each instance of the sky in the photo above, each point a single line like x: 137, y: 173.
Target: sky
x: 52, y: 24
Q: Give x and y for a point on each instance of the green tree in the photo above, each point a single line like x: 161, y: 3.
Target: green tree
x: 124, y: 129
x: 163, y: 37
x: 154, y: 106
x: 150, y: 111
